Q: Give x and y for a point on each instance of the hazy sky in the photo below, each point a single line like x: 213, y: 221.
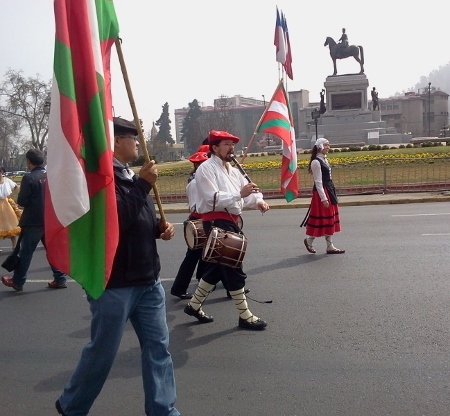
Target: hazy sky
x: 177, y: 50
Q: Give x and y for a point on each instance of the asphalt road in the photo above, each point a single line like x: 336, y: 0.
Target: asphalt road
x: 365, y: 333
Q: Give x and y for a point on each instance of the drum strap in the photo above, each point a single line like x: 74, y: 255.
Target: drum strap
x: 214, y: 209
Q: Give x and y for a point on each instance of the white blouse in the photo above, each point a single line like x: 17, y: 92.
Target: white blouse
x: 317, y: 174
x: 7, y: 188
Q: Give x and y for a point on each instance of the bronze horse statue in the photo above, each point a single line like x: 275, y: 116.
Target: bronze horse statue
x: 337, y: 52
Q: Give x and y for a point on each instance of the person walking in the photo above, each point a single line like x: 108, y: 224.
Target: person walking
x: 9, y: 218
x: 193, y: 257
x: 222, y: 193
x: 322, y: 219
x: 134, y: 292
x: 31, y: 198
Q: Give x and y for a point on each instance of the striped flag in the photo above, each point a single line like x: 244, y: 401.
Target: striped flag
x: 81, y: 224
x: 279, y: 40
x: 277, y: 120
x: 288, y: 62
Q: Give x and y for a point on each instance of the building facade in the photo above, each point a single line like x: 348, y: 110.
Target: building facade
x: 421, y: 114
x: 239, y: 115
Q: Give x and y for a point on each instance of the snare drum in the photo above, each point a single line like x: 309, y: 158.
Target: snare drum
x: 194, y: 234
x: 225, y: 247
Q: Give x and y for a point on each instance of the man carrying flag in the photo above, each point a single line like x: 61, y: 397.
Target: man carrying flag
x: 134, y: 292
x: 101, y: 224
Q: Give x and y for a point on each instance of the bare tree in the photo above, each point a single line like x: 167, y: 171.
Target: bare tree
x: 24, y: 99
x: 10, y: 145
x: 221, y: 117
x: 224, y: 115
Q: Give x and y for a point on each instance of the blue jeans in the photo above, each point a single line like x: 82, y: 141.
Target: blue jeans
x: 28, y: 243
x: 145, y: 307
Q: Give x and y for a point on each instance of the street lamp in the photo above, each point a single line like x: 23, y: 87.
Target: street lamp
x: 429, y: 109
x: 315, y: 114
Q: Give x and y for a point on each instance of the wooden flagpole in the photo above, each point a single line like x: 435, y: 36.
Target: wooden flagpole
x: 259, y: 122
x: 137, y: 122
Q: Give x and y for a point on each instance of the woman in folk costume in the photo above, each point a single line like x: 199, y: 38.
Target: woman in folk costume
x: 322, y: 219
x: 9, y: 218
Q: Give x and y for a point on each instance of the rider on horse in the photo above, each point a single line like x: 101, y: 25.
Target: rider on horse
x: 343, y: 42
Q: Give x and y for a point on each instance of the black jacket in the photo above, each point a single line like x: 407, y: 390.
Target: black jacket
x: 31, y: 197
x: 136, y: 261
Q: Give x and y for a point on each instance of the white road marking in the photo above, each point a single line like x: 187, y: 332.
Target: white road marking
x: 419, y: 215
x: 436, y: 234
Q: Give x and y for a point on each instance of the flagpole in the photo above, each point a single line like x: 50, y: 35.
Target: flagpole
x: 137, y: 122
x: 259, y: 123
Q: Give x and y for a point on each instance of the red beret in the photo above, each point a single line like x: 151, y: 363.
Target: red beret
x: 204, y: 148
x: 218, y: 135
x: 198, y: 157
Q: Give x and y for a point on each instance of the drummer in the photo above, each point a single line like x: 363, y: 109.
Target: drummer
x: 188, y: 265
x: 222, y: 193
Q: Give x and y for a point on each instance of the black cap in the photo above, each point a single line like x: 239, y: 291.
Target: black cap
x: 124, y: 126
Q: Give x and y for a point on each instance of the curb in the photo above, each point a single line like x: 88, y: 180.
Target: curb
x: 362, y: 200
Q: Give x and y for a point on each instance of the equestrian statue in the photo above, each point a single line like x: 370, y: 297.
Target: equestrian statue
x: 343, y: 50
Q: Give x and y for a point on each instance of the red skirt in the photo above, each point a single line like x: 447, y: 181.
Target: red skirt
x: 322, y: 221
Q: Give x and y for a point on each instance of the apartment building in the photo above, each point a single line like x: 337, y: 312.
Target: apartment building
x: 423, y: 113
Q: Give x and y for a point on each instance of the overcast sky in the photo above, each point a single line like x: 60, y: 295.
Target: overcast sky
x: 177, y: 50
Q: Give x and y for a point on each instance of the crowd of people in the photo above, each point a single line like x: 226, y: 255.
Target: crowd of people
x: 217, y: 193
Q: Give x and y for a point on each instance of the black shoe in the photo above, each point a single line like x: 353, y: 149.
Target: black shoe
x: 255, y: 326
x: 181, y: 295
x: 200, y: 315
x: 229, y: 296
x: 58, y: 408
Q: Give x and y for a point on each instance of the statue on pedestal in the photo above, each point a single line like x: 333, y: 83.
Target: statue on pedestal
x: 343, y: 50
x: 322, y: 102
x: 374, y: 94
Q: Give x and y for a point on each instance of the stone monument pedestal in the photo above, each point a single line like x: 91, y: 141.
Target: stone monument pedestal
x: 348, y: 120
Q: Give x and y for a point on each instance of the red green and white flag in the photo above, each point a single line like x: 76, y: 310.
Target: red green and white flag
x: 277, y: 120
x: 81, y: 224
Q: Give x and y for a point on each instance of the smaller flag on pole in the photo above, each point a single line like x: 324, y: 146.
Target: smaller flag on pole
x: 279, y: 40
x: 288, y: 62
x: 277, y: 120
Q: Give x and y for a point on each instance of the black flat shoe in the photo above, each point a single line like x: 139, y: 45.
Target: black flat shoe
x: 254, y: 326
x: 229, y: 296
x: 182, y: 295
x: 200, y: 315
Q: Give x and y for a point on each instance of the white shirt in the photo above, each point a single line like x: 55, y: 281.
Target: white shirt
x: 213, y: 177
x: 192, y: 195
x: 317, y: 174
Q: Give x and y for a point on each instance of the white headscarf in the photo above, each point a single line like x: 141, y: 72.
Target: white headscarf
x: 320, y: 143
